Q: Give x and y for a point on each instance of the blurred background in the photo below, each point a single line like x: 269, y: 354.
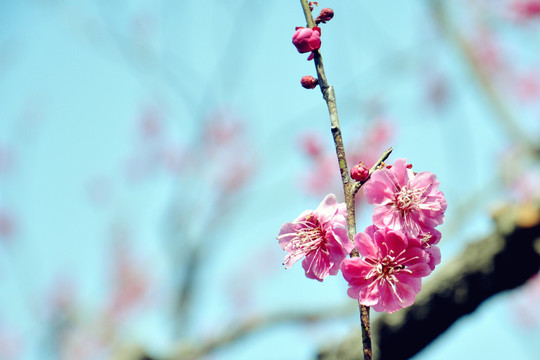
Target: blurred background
x: 150, y: 150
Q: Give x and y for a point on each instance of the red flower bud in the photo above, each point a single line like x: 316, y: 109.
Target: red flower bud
x: 326, y: 15
x: 360, y: 172
x: 309, y: 82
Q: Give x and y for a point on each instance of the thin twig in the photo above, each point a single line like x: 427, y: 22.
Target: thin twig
x: 348, y: 185
x: 379, y: 162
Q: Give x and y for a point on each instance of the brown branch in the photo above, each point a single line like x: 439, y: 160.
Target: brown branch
x: 499, y: 262
x: 348, y: 185
x: 187, y: 351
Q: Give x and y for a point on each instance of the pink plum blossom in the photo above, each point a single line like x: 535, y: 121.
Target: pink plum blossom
x: 306, y: 39
x: 405, y: 200
x: 321, y: 236
x: 388, y: 275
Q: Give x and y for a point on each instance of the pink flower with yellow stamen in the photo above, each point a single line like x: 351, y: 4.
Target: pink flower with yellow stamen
x: 405, y: 201
x: 388, y: 275
x: 321, y: 236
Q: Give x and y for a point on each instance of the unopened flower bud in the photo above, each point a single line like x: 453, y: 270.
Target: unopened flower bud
x: 360, y: 172
x: 309, y: 82
x: 306, y: 39
x: 326, y: 15
x: 311, y: 3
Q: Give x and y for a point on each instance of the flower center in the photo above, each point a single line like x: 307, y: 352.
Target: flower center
x: 408, y: 199
x: 385, y: 270
x: 425, y: 239
x: 310, y: 235
x: 386, y: 267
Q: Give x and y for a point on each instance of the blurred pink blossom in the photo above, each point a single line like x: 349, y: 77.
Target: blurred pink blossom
x: 527, y: 86
x: 489, y: 53
x: 528, y: 9
x: 311, y: 143
x: 8, y: 225
x: 151, y: 122
x: 227, y: 151
x: 322, y: 175
x: 222, y: 126
x: 131, y: 282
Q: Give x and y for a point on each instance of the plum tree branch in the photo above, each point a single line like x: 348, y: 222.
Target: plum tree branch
x: 501, y: 261
x: 348, y: 185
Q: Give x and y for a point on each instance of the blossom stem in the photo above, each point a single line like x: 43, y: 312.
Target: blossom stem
x: 348, y: 185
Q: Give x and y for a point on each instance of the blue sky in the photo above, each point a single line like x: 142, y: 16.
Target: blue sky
x: 78, y: 76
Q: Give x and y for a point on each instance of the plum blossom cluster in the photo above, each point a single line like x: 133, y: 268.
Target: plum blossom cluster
x: 400, y: 247
x: 396, y: 252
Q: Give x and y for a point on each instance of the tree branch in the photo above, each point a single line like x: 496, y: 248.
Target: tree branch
x: 348, y: 185
x: 250, y: 326
x: 502, y: 261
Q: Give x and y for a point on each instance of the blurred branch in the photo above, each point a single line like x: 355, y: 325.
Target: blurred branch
x: 507, y: 121
x: 501, y: 261
x: 195, y: 250
x: 232, y: 334
x: 470, y: 204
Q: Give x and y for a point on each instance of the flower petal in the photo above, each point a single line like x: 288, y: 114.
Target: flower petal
x: 317, y: 265
x: 327, y: 209
x: 365, y: 245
